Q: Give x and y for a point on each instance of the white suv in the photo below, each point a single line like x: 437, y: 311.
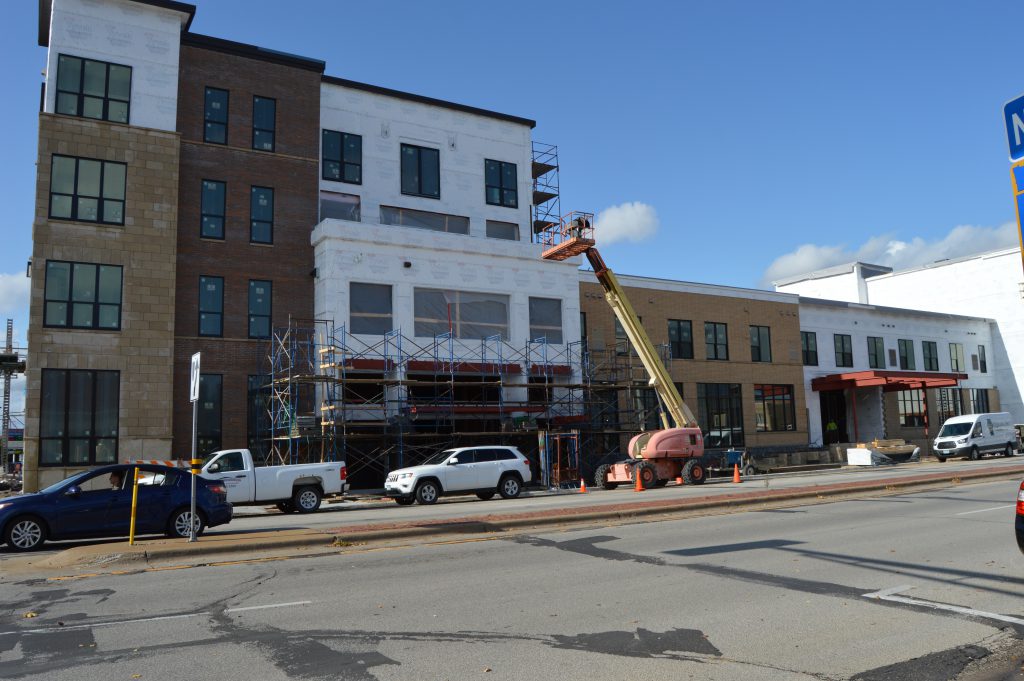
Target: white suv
x: 484, y: 470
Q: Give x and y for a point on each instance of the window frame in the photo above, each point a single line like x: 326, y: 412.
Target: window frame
x: 207, y: 122
x: 456, y: 322
x: 538, y: 331
x: 906, y: 353
x: 729, y: 396
x: 223, y: 209
x: 711, y: 348
x: 931, y: 359
x: 100, y: 198
x: 493, y: 227
x: 419, y: 169
x: 80, y: 95
x: 270, y: 307
x: 272, y: 131
x: 982, y: 361
x: 876, y: 352
x: 805, y: 350
x: 365, y: 317
x: 677, y: 347
x: 763, y: 336
x: 957, y: 359
x: 342, y: 163
x: 65, y: 438
x: 394, y: 215
x: 844, y: 354
x: 200, y: 312
x: 200, y: 433
x: 253, y: 221
x: 763, y: 402
x: 910, y: 405
x: 71, y: 302
x: 500, y: 187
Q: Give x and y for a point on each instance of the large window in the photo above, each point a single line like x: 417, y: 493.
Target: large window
x: 82, y: 295
x: 844, y: 349
x: 261, y: 216
x: 646, y: 408
x: 502, y: 188
x: 982, y: 362
x: 93, y: 89
x: 471, y: 315
x: 258, y: 417
x: 546, y: 319
x: 760, y: 344
x: 340, y: 206
x: 208, y: 423
x: 950, y: 403
x: 87, y: 190
x: 911, y: 408
x: 876, y: 352
x: 260, y: 303
x: 264, y: 123
x: 211, y: 306
x: 720, y: 412
x: 370, y: 308
x: 956, y: 357
x: 680, y: 338
x: 931, y: 355
x: 716, y: 340
x: 212, y: 209
x: 421, y: 171
x: 906, y: 354
x: 78, y: 417
x: 502, y: 230
x: 773, y: 407
x: 215, y: 116
x: 979, y: 401
x: 809, y: 348
x: 421, y: 219
x: 342, y: 157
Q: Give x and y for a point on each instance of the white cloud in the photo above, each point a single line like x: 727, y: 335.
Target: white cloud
x: 885, y: 250
x: 632, y: 221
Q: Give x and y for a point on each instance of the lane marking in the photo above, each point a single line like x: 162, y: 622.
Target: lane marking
x: 889, y: 595
x: 982, y: 510
x: 265, y: 607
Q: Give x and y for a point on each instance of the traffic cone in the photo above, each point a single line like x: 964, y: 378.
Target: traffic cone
x: 736, y: 473
x: 639, y: 486
x: 583, y: 486
x: 679, y: 479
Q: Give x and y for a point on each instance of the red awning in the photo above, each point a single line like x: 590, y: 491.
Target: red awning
x: 888, y: 380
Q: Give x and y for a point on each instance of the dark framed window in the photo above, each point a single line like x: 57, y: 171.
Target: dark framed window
x: 773, y: 408
x: 876, y: 352
x: 466, y: 314
x: 78, y: 418
x: 261, y: 215
x: 421, y: 171
x: 911, y: 408
x: 338, y: 206
x: 680, y: 338
x: 950, y: 403
x: 258, y: 416
x: 211, y: 306
x: 93, y: 89
x: 208, y: 421
x: 264, y: 114
x: 760, y: 344
x: 809, y: 348
x: 720, y: 412
x: 215, y: 116
x: 370, y: 308
x: 982, y: 362
x: 844, y: 349
x: 956, y: 357
x: 906, y: 348
x: 716, y: 340
x: 583, y: 328
x: 421, y: 219
x: 87, y: 190
x: 502, y: 230
x: 979, y: 401
x: 646, y: 408
x: 546, y: 319
x: 260, y: 305
x: 930, y: 350
x: 82, y: 295
x: 341, y: 157
x: 212, y: 208
x: 502, y: 185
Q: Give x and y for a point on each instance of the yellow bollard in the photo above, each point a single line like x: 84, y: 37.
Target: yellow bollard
x: 135, y: 499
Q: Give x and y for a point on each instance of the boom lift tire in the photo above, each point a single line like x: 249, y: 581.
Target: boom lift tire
x: 694, y: 472
x: 648, y: 474
x: 601, y: 477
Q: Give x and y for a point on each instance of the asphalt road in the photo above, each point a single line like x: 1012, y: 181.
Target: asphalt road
x: 901, y: 587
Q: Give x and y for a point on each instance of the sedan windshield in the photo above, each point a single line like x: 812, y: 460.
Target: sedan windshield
x: 955, y: 429
x: 440, y: 457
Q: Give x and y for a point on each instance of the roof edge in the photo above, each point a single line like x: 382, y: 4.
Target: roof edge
x: 46, y: 8
x: 252, y: 52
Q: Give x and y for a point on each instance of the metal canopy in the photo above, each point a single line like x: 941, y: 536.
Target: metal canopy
x: 888, y: 380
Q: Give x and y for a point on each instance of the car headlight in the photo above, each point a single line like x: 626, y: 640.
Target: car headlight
x: 402, y: 476
x: 962, y: 441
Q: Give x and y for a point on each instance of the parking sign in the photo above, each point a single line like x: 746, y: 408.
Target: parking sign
x: 1013, y: 112
x: 193, y: 386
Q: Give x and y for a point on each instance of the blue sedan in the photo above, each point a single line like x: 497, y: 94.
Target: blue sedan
x: 98, y: 503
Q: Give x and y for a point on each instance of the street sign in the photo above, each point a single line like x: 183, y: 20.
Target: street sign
x: 193, y: 386
x: 193, y: 394
x: 1013, y: 112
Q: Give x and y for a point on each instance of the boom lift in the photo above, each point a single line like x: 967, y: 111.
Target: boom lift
x: 656, y: 456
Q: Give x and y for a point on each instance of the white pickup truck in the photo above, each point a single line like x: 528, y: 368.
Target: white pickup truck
x: 298, y: 487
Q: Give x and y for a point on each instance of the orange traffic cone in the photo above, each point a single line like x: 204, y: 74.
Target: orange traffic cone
x: 736, y: 473
x: 679, y: 479
x: 639, y: 486
x: 583, y: 486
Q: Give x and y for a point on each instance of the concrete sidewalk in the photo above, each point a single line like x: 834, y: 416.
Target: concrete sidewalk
x: 224, y: 545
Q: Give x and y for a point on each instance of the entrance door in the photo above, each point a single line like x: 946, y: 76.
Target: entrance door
x: 833, y: 416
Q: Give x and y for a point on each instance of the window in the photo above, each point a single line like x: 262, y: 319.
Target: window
x: 950, y: 403
x: 760, y: 344
x: 342, y: 157
x: 911, y: 408
x: 720, y: 412
x: 546, y: 319
x: 208, y: 423
x: 212, y: 209
x: 370, y: 308
x: 956, y: 357
x: 82, y: 295
x: 215, y: 115
x: 646, y: 408
x: 78, y: 417
x: 338, y: 206
x: 716, y: 341
x: 502, y: 230
x: 471, y: 315
x: 211, y: 306
x: 421, y: 171
x: 680, y: 339
x: 421, y: 219
x: 979, y: 401
x: 876, y: 352
x: 809, y: 348
x: 583, y: 328
x: 264, y: 111
x: 982, y: 362
x: 844, y: 350
x: 87, y: 190
x: 261, y: 216
x: 502, y: 188
x: 622, y: 344
x: 931, y: 355
x: 773, y: 408
x: 260, y: 303
x: 906, y: 354
x: 258, y: 421
x: 93, y: 89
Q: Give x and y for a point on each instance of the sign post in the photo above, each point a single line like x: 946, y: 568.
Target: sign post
x: 1013, y: 113
x: 193, y: 394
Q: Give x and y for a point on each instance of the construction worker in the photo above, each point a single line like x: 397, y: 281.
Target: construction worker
x: 832, y: 431
x: 577, y: 226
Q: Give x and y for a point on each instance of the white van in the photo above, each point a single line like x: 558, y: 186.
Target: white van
x: 972, y: 435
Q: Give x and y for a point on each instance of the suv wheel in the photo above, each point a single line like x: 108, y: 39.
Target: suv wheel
x: 306, y: 499
x: 510, y: 487
x: 427, y: 492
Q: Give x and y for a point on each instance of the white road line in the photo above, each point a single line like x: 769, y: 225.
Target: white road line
x: 982, y: 510
x: 888, y: 595
x: 264, y: 607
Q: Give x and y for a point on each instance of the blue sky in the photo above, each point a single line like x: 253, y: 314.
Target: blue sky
x: 766, y: 138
